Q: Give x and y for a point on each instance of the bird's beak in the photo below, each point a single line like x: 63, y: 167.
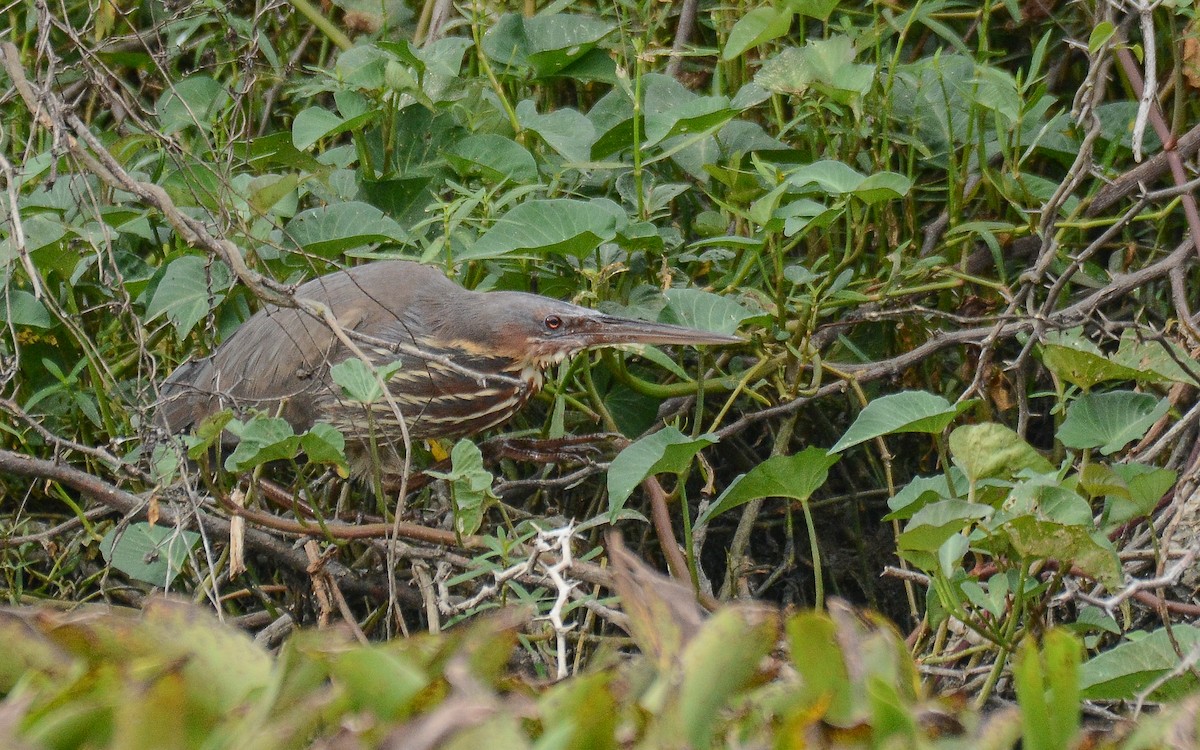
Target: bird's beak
x: 609, y: 330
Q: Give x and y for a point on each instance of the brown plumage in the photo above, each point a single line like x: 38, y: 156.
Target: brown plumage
x: 469, y: 360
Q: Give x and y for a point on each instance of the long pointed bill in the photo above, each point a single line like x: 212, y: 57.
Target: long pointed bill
x: 608, y: 330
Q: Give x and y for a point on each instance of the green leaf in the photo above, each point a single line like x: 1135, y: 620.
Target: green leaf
x: 922, y: 491
x: 494, y: 157
x: 704, y: 310
x: 1100, y: 35
x: 818, y: 9
x: 882, y: 186
x: 755, y: 28
x: 1099, y: 479
x: 796, y: 477
x: 565, y: 130
x: 1124, y: 672
x: 1047, y: 684
x: 560, y: 226
x: 151, y: 554
x: 223, y: 668
x: 313, y: 124
x: 718, y: 664
x: 470, y: 486
x: 824, y: 64
x: 330, y: 231
x: 837, y: 179
x: 193, y: 102
x: 556, y: 40
x: 275, y: 193
x: 1144, y: 487
x: 506, y: 44
x: 546, y: 43
x: 909, y: 411
x: 993, y: 450
x: 20, y: 308
x: 324, y: 444
x: 1110, y: 421
x: 698, y: 115
x: 207, y: 434
x: 1078, y: 361
x: 825, y: 688
x: 666, y: 451
x: 933, y: 524
x: 378, y: 679
x: 359, y: 382
x: 1156, y: 361
x: 183, y: 294
x: 261, y: 440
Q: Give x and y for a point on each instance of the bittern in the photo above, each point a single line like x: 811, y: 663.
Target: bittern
x: 468, y: 360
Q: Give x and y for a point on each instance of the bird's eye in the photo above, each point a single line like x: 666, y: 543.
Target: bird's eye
x: 553, y: 322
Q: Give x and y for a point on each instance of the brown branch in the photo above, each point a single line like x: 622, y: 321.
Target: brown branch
x: 1143, y: 174
x: 1169, y: 143
x: 683, y: 33
x: 134, y: 506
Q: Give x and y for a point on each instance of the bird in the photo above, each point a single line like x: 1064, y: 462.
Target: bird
x: 467, y: 360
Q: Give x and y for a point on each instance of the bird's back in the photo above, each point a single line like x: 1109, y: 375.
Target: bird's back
x: 280, y: 356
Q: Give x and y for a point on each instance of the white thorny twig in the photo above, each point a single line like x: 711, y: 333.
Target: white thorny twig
x: 547, y: 541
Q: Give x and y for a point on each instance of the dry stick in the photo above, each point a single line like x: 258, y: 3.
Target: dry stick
x: 42, y: 537
x: 1146, y: 172
x: 683, y: 32
x: 745, y: 526
x: 1169, y: 144
x: 320, y: 584
x: 582, y: 570
x: 660, y: 515
x: 346, y: 531
x: 135, y: 506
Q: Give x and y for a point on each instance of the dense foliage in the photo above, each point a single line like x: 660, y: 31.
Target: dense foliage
x: 960, y: 242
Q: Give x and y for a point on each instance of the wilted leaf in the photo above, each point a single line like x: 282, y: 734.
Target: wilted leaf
x: 993, y: 450
x: 1035, y: 539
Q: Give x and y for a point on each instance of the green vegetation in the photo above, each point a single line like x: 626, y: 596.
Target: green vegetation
x: 960, y: 241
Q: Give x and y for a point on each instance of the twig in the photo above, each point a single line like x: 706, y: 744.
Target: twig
x: 683, y: 33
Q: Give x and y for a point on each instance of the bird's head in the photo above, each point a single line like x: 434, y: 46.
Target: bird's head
x: 541, y: 331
